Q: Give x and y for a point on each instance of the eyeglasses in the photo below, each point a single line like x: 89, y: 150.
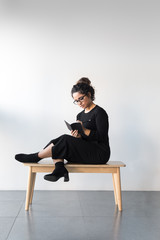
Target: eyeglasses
x: 79, y: 99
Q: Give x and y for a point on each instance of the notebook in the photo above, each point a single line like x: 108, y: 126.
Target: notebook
x: 75, y: 126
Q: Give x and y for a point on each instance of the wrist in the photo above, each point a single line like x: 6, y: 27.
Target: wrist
x: 87, y: 131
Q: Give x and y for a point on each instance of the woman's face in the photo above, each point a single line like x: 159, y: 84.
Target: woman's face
x: 82, y: 100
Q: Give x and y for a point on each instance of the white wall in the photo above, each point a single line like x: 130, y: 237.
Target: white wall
x: 45, y: 48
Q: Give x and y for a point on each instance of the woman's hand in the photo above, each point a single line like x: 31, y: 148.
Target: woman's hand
x: 82, y: 125
x: 75, y: 133
x: 86, y: 131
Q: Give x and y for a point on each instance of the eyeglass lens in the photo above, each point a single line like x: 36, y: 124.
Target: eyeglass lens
x: 80, y: 99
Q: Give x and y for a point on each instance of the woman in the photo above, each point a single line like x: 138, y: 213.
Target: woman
x: 92, y: 147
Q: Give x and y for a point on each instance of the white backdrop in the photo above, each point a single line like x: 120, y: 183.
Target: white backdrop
x: 44, y: 49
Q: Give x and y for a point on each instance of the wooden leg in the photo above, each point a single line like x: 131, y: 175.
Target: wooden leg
x: 33, y: 184
x: 118, y: 188
x: 114, y: 187
x: 29, y: 188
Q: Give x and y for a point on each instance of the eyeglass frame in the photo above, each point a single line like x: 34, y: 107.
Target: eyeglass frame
x: 80, y: 100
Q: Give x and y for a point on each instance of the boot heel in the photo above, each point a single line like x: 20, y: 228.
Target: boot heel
x: 66, y: 177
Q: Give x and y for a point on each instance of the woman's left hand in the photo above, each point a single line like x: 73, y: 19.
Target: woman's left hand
x: 81, y: 124
x: 86, y: 131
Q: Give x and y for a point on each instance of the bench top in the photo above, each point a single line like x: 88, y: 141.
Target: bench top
x: 109, y: 164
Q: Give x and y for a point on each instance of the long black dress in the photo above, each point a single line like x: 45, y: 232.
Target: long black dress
x: 92, y: 149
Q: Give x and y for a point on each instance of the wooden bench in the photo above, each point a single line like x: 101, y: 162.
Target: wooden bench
x: 111, y: 167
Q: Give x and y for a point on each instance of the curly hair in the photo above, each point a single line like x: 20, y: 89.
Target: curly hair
x: 83, y: 85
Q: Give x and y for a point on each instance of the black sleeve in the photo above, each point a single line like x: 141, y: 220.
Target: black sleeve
x: 102, y: 125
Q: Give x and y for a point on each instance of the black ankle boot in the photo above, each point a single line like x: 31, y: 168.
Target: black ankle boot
x: 59, y: 171
x: 28, y: 158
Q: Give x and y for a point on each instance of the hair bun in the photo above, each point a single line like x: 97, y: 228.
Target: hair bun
x: 83, y: 86
x: 84, y: 80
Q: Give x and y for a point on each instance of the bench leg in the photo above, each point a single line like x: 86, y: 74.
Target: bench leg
x: 32, y: 184
x: 114, y: 187
x: 118, y: 188
x: 29, y: 188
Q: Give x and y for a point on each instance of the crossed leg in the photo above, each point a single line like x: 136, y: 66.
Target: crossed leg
x: 47, y: 152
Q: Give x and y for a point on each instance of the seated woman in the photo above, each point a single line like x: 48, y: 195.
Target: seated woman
x: 91, y: 147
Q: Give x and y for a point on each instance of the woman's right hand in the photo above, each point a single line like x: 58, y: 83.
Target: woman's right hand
x: 75, y: 133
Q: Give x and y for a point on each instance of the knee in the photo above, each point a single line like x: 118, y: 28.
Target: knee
x: 65, y: 137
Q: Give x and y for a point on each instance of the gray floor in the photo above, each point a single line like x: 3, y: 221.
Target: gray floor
x: 79, y: 215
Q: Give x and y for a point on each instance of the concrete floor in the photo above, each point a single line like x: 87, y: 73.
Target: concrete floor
x: 79, y: 215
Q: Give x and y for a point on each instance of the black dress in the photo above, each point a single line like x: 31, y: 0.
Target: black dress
x: 92, y: 149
